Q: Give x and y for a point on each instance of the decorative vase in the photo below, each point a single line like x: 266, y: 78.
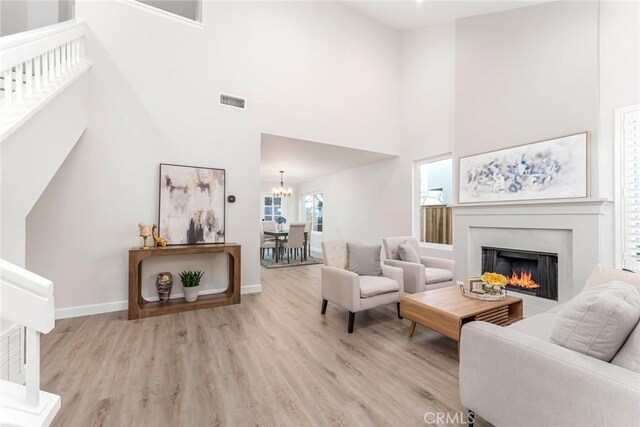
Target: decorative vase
x: 492, y: 289
x: 164, y: 283
x: 191, y: 293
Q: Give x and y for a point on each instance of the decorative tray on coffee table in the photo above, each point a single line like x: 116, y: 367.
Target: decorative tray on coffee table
x: 473, y: 288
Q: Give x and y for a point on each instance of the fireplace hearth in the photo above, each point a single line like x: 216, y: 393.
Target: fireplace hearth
x: 528, y: 272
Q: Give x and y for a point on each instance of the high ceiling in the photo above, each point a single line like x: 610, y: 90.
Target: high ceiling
x: 304, y: 161
x: 408, y: 14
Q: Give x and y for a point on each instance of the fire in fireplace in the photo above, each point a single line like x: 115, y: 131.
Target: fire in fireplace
x: 527, y: 272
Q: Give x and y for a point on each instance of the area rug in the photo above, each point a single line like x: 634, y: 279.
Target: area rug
x: 268, y: 262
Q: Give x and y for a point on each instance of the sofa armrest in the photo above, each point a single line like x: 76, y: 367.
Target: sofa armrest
x: 394, y: 273
x: 510, y: 378
x: 447, y: 264
x: 341, y: 287
x: 412, y: 275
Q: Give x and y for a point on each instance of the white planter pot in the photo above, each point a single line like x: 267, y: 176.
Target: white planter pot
x: 191, y: 293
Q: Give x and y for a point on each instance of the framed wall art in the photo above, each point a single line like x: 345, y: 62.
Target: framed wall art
x: 553, y: 169
x: 192, y: 204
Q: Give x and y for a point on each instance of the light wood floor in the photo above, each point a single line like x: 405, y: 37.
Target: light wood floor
x: 272, y: 360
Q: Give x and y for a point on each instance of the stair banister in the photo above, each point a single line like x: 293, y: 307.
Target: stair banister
x: 27, y: 299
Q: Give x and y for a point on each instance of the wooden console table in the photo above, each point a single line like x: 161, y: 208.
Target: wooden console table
x: 139, y: 307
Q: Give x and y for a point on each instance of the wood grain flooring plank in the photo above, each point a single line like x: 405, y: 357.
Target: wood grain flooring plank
x: 273, y: 360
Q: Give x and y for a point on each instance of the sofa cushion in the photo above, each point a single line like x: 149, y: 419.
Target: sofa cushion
x: 598, y: 321
x: 364, y: 260
x: 538, y: 326
x: 437, y: 275
x: 629, y: 355
x: 603, y: 274
x: 408, y: 253
x: 376, y: 285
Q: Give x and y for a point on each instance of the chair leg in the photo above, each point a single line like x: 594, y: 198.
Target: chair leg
x: 352, y: 318
x: 398, y: 307
x: 471, y: 417
x: 324, y: 306
x: 288, y: 255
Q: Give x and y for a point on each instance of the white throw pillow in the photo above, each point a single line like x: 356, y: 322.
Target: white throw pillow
x: 598, y: 321
x: 603, y: 274
x: 629, y: 355
x: 408, y: 253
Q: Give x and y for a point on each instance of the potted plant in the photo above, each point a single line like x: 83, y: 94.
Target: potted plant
x: 191, y: 282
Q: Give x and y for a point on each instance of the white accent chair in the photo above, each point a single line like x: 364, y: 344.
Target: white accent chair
x: 353, y: 292
x: 431, y: 273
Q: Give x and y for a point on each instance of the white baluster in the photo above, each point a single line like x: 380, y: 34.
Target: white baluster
x: 38, y: 72
x: 33, y: 367
x: 67, y: 56
x: 18, y: 83
x: 50, y: 66
x: 45, y: 67
x: 8, y: 88
x: 58, y: 62
x: 29, y: 77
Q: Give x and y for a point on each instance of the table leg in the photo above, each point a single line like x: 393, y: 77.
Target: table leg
x: 277, y: 249
x: 412, y: 329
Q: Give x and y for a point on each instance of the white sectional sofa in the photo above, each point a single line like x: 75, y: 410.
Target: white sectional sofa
x: 515, y: 376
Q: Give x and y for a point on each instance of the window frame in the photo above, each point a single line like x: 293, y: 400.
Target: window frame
x: 263, y: 206
x: 619, y: 186
x: 416, y: 203
x: 313, y: 210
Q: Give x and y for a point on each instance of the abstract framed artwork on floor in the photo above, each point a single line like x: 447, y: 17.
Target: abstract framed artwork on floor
x: 553, y: 169
x: 192, y: 204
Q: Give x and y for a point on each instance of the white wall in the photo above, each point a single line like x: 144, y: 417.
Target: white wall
x: 619, y: 76
x: 428, y: 91
x: 30, y: 157
x: 24, y: 15
x: 527, y: 75
x: 365, y: 203
x: 154, y: 99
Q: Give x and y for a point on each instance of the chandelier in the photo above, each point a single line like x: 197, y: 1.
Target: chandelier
x: 281, y: 192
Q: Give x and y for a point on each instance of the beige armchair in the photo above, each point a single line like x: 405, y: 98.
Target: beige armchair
x: 353, y: 292
x: 431, y: 273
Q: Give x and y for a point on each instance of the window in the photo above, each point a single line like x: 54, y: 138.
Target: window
x: 271, y: 207
x: 312, y: 210
x: 628, y: 206
x: 434, y: 195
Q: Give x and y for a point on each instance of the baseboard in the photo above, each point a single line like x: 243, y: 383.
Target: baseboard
x: 108, y: 307
x: 318, y: 250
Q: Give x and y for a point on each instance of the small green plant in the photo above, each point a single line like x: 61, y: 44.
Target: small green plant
x: 191, y: 278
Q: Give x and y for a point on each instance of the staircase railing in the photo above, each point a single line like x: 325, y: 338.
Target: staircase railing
x: 36, y: 64
x: 27, y: 299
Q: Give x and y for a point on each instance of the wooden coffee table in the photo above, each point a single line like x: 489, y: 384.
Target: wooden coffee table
x: 446, y: 310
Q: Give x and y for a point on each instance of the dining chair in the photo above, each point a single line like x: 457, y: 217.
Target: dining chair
x: 307, y: 236
x: 295, y: 240
x: 269, y: 226
x: 265, y: 245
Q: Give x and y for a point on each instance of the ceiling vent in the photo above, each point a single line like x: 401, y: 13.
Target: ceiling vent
x: 232, y: 101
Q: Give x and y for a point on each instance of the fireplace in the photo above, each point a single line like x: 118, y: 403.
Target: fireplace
x: 528, y: 272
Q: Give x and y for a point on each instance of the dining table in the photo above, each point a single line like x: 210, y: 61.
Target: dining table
x: 283, y: 234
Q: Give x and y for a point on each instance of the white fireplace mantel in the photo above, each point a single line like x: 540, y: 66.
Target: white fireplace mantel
x: 579, y: 230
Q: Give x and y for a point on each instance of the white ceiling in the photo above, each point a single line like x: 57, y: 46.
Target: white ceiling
x: 304, y: 161
x: 408, y: 14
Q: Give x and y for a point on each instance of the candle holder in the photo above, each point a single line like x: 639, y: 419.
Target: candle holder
x: 145, y: 232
